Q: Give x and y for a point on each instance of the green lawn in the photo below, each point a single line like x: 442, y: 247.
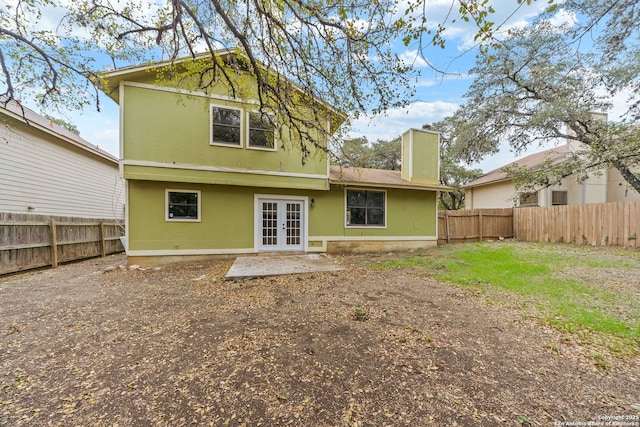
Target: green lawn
x: 591, y: 292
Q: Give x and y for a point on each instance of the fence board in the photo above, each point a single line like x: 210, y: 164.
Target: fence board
x: 605, y: 224
x: 474, y: 225
x: 598, y: 224
x: 34, y: 241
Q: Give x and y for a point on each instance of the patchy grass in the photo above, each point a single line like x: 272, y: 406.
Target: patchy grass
x: 593, y: 293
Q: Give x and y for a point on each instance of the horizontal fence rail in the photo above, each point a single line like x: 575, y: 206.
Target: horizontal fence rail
x: 598, y: 224
x: 34, y: 241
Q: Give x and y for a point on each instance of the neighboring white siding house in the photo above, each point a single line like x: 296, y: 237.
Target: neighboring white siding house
x: 44, y: 169
x: 496, y: 190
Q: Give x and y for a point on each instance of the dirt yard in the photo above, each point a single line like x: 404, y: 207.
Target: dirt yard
x: 85, y: 346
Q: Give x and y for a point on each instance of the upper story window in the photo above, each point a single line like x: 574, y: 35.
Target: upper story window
x: 261, y: 131
x: 235, y: 127
x: 559, y: 198
x: 226, y: 125
x: 529, y: 199
x: 365, y: 208
x: 183, y: 205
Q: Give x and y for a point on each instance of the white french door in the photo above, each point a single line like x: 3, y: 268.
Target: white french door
x: 280, y: 224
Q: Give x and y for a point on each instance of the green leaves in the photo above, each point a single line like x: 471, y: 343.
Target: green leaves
x: 359, y: 152
x: 538, y: 88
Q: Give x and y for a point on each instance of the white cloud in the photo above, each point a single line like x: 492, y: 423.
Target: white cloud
x: 563, y: 17
x: 507, y: 15
x: 397, y: 121
x: 105, y: 138
x: 413, y: 58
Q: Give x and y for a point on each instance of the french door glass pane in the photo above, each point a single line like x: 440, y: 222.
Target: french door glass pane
x: 269, y: 223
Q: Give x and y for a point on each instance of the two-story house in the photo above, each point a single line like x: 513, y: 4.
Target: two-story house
x: 496, y: 190
x: 207, y: 174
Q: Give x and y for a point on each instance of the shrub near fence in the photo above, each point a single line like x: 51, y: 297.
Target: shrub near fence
x: 33, y: 241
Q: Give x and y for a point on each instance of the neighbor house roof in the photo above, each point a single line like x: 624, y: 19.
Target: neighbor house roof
x: 555, y: 155
x: 365, y: 177
x: 26, y: 115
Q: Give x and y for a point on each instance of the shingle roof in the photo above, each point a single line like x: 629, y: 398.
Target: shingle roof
x: 377, y: 178
x: 27, y: 115
x: 555, y: 155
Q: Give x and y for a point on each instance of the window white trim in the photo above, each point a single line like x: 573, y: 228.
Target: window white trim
x: 241, y: 129
x: 368, y: 227
x: 248, y: 132
x: 166, y: 205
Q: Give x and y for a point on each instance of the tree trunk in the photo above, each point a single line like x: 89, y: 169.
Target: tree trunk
x: 443, y: 200
x: 629, y: 176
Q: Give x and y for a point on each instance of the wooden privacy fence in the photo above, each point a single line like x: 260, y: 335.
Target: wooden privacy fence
x: 474, y: 225
x: 602, y: 224
x: 33, y: 241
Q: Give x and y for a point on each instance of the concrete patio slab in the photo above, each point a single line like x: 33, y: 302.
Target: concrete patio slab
x: 247, y: 267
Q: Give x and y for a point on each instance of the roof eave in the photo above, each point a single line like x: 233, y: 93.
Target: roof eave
x: 120, y: 74
x: 387, y: 185
x: 493, y: 181
x: 84, y: 147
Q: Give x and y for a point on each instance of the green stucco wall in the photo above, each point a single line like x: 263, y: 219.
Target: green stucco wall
x: 227, y: 216
x: 420, y: 156
x: 409, y: 213
x: 220, y: 177
x: 163, y: 126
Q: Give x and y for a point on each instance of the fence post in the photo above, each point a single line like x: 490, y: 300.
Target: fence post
x: 480, y: 225
x: 54, y: 244
x: 446, y: 223
x: 102, y: 242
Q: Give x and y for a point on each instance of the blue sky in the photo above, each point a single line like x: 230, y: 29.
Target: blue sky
x: 437, y: 95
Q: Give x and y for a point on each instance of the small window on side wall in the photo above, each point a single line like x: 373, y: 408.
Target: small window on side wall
x: 183, y: 205
x: 261, y: 131
x: 226, y: 126
x: 559, y: 198
x: 365, y: 208
x: 529, y: 199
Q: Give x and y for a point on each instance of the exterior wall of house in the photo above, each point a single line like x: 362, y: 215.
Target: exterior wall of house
x: 42, y: 174
x: 503, y: 194
x: 161, y: 129
x: 594, y: 188
x: 574, y: 190
x: 496, y: 195
x: 617, y: 188
x: 227, y: 219
x: 166, y: 146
